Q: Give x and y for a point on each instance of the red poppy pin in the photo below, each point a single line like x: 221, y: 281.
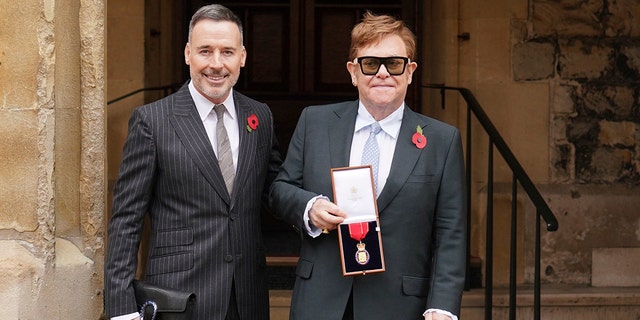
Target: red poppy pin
x: 252, y: 122
x: 419, y: 139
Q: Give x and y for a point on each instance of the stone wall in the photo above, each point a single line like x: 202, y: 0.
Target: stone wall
x: 590, y: 54
x: 52, y: 184
x: 560, y: 81
x: 592, y: 218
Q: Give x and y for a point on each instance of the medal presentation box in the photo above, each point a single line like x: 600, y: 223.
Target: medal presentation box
x: 359, y: 235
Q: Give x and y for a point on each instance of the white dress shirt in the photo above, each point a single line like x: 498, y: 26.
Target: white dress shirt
x: 386, y: 143
x: 386, y: 140
x: 210, y: 120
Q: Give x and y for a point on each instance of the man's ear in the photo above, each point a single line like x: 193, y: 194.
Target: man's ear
x: 244, y: 57
x: 187, y: 53
x: 353, y: 71
x: 411, y: 67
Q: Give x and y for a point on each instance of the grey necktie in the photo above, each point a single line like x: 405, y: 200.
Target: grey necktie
x: 371, y: 152
x: 225, y: 159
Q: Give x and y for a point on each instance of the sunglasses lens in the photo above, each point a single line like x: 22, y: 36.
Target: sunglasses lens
x: 371, y: 65
x: 395, y: 66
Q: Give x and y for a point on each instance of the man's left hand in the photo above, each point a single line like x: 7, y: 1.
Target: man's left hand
x: 436, y: 316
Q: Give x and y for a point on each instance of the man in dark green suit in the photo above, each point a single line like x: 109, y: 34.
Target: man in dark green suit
x: 420, y: 186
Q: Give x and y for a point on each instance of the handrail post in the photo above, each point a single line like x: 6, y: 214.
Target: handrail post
x: 468, y: 191
x: 488, y: 298
x: 513, y: 250
x: 536, y: 280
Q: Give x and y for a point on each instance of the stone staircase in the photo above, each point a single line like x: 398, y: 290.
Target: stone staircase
x: 558, y: 303
x: 614, y: 294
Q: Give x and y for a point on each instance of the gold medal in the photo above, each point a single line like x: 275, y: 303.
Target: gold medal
x: 358, y: 231
x: 362, y: 255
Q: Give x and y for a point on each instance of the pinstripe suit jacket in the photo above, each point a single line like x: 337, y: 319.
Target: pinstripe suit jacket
x: 422, y: 219
x: 201, y: 237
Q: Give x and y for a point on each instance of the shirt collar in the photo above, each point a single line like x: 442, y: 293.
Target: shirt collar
x: 204, y: 106
x: 390, y: 125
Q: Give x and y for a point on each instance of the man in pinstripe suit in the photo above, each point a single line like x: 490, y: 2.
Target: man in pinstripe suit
x: 205, y: 238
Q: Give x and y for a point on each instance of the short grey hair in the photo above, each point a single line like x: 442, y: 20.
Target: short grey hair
x: 215, y: 12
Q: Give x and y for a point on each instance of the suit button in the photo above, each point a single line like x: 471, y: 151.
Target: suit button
x: 228, y: 258
x: 233, y: 216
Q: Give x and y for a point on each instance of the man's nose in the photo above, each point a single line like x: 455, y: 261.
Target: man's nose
x: 382, y: 71
x: 215, y: 61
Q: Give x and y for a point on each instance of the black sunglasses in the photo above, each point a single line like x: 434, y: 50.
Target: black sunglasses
x: 371, y: 65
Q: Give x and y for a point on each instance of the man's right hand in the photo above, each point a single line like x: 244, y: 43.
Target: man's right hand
x: 325, y: 214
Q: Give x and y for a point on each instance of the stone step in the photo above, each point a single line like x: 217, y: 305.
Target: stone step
x: 558, y: 303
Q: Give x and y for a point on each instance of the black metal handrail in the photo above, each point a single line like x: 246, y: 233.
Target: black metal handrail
x: 519, y: 175
x: 167, y: 89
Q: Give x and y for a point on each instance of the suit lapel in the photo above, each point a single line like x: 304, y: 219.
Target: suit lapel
x: 404, y: 159
x: 248, y: 143
x: 191, y: 132
x: 341, y: 129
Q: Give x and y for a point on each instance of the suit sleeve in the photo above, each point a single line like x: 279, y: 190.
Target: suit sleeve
x: 448, y: 272
x: 287, y: 198
x: 275, y: 161
x: 132, y: 195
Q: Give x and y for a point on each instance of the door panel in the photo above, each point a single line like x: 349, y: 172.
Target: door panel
x: 267, y: 36
x: 297, y: 53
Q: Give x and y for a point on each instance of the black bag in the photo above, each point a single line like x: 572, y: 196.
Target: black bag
x: 166, y: 304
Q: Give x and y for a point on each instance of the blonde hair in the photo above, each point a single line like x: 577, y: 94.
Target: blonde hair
x: 373, y: 28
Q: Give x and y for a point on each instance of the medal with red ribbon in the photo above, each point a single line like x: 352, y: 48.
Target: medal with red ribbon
x: 358, y: 231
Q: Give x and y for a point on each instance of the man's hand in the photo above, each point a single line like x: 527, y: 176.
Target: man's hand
x: 325, y: 214
x: 436, y: 316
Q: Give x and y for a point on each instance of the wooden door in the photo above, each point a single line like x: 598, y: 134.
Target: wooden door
x: 298, y: 49
x: 297, y: 53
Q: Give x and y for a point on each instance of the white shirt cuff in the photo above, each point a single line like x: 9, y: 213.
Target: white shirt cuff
x: 312, y: 230
x: 446, y: 313
x: 127, y: 316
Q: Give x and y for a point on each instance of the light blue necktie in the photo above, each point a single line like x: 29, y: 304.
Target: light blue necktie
x: 371, y: 152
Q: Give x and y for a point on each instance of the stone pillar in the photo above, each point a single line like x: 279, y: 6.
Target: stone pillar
x: 52, y: 151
